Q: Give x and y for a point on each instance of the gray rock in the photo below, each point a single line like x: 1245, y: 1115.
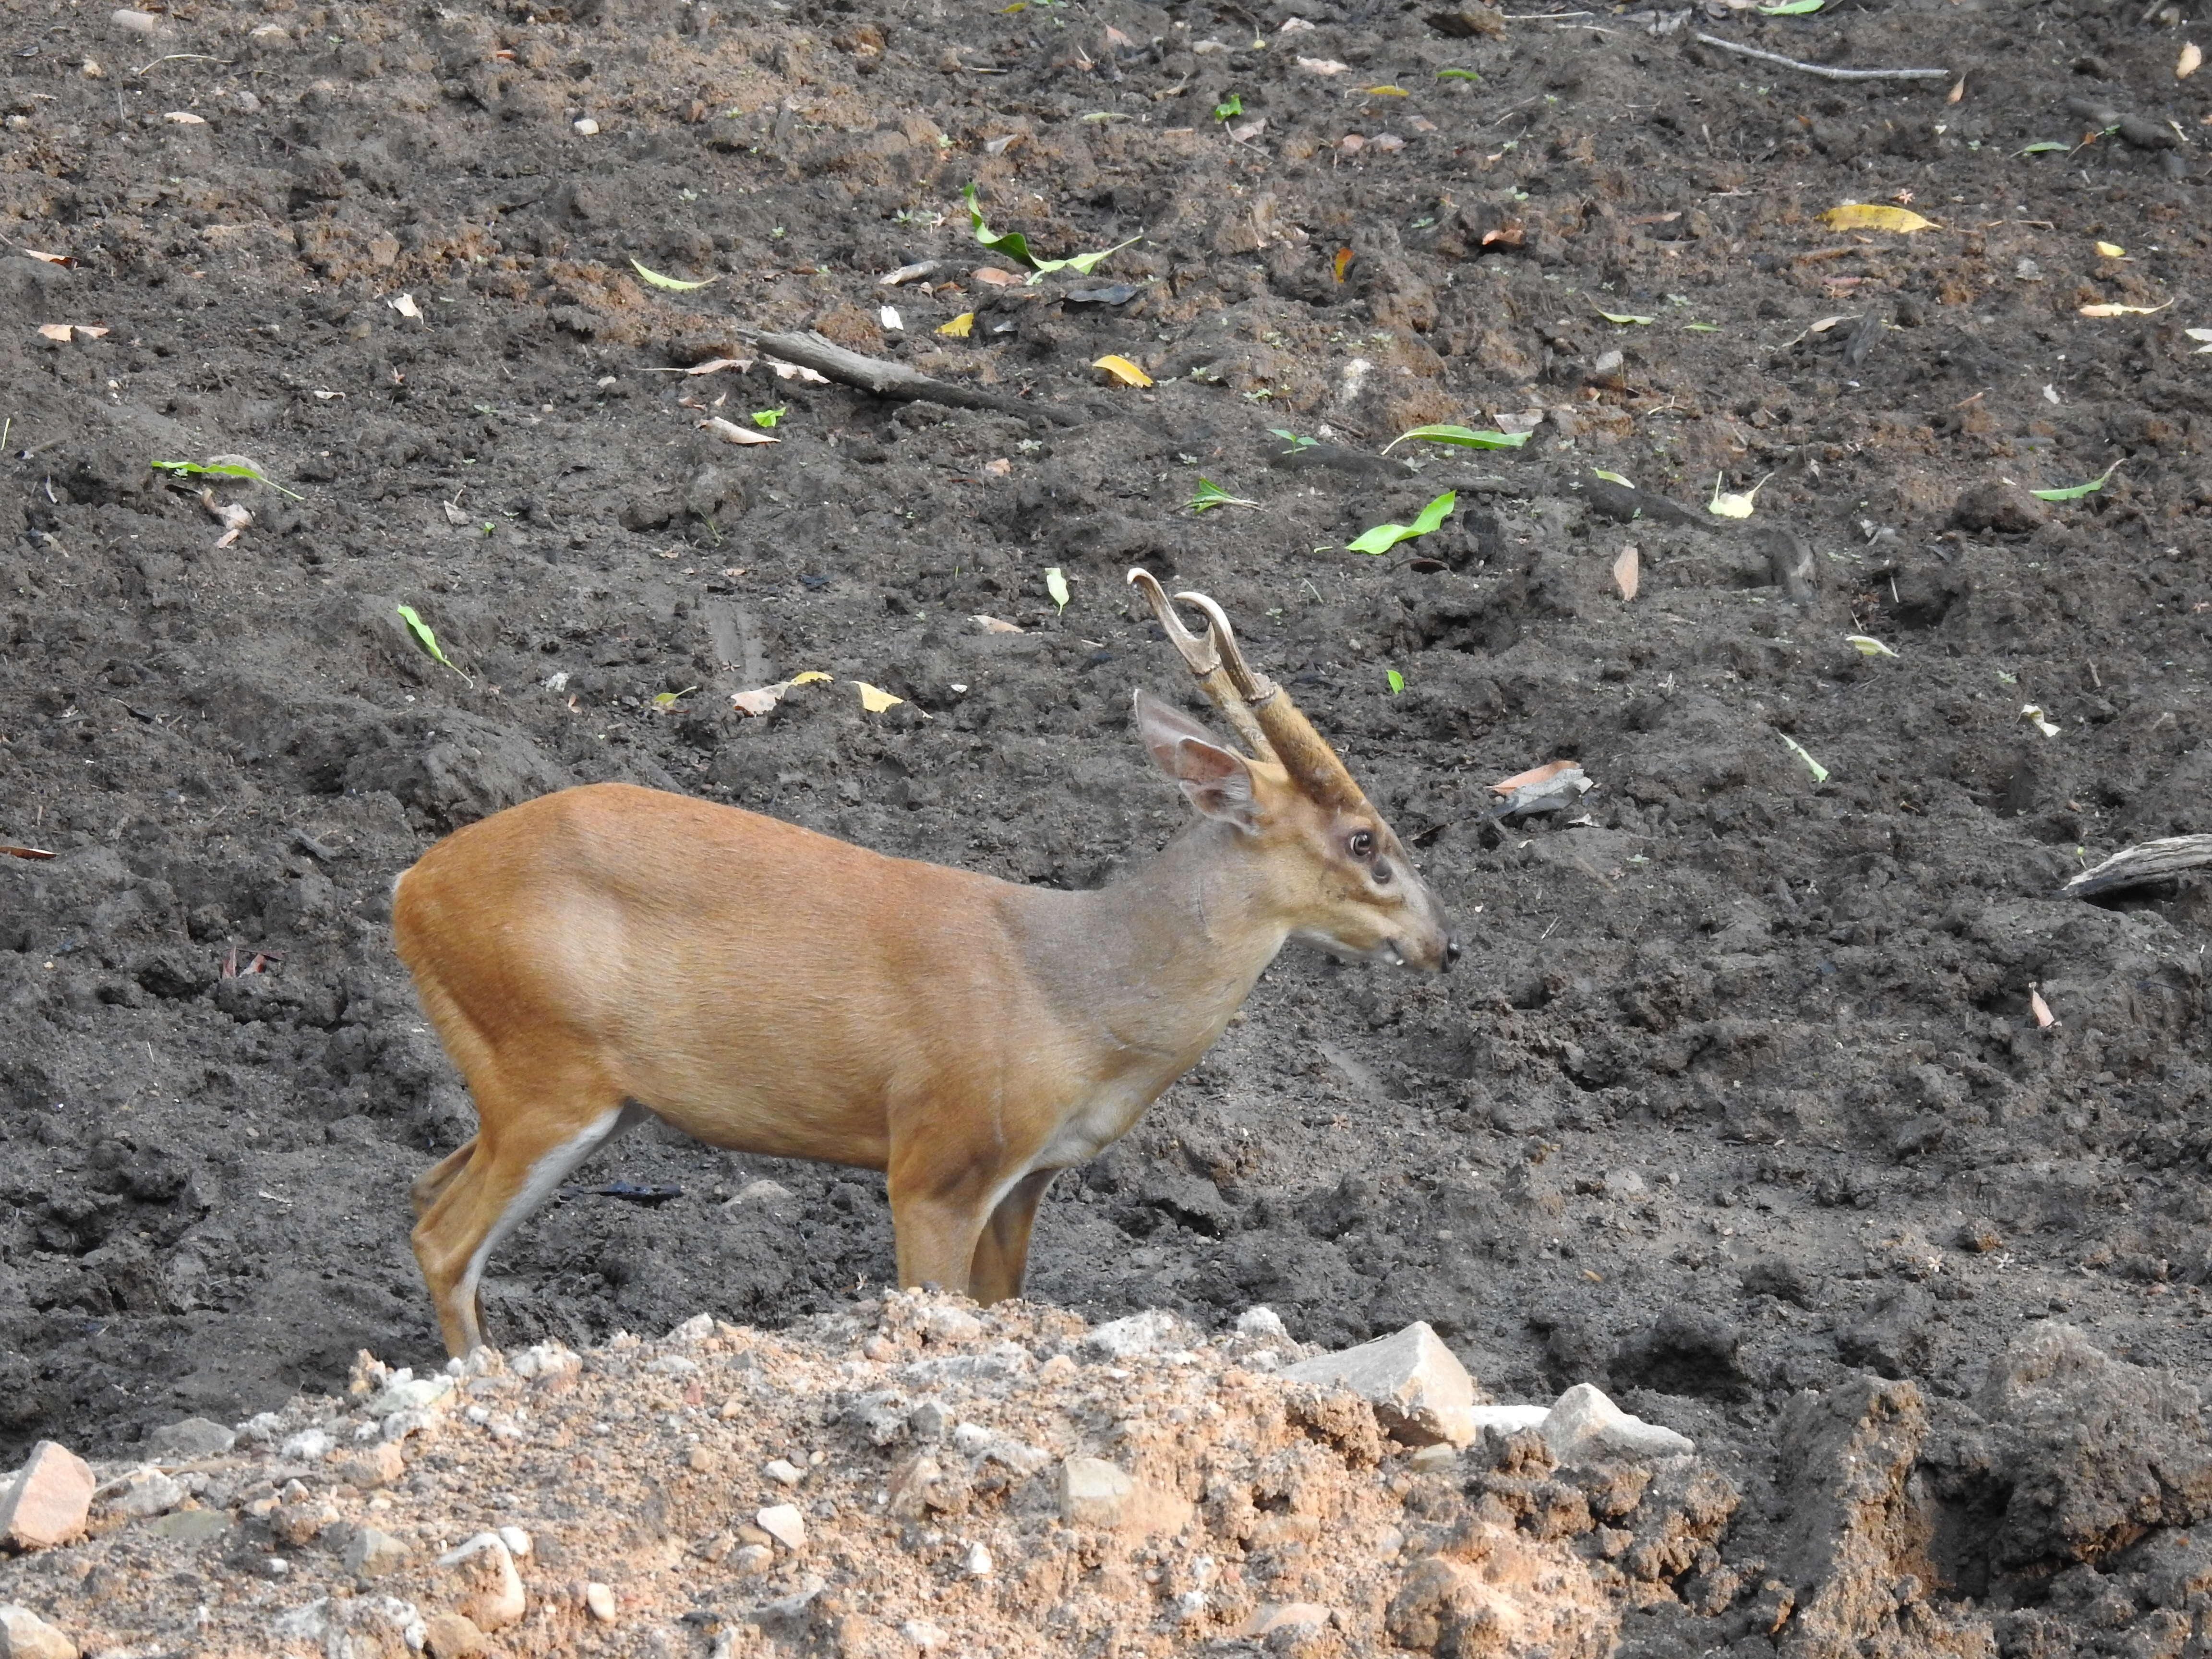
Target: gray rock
x: 24, y: 1635
x: 190, y: 1526
x: 373, y: 1552
x: 142, y: 1493
x: 1420, y: 1392
x: 1141, y: 1332
x: 1584, y: 1426
x: 195, y: 1437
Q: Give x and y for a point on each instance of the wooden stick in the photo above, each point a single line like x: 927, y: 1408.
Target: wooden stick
x: 1824, y: 70
x: 896, y: 381
x: 2154, y: 861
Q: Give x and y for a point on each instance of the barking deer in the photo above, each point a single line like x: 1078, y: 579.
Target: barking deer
x: 609, y: 952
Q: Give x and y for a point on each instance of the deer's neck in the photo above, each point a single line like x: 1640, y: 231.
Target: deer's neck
x: 1153, y: 967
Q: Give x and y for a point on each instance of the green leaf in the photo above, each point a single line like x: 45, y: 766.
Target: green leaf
x: 664, y: 700
x: 1384, y: 537
x: 1627, y: 318
x: 2075, y: 492
x: 1397, y: 680
x: 768, y: 417
x: 1464, y: 436
x: 1296, y: 442
x: 1082, y: 263
x: 1055, y: 583
x: 220, y: 469
x: 1703, y: 328
x: 426, y: 642
x: 1820, y: 772
x: 1791, y: 8
x: 1231, y: 106
x: 1013, y: 245
x: 2045, y: 147
x: 1457, y: 75
x: 1210, y: 493
x: 675, y: 283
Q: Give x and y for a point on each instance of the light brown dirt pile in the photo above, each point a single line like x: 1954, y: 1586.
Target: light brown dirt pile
x: 912, y: 1476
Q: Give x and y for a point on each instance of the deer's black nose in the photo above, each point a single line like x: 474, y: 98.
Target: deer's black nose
x: 1451, y: 953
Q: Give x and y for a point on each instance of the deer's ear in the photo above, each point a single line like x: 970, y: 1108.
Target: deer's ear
x: 1214, y: 779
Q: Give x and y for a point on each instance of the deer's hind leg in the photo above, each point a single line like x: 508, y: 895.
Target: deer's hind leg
x: 531, y: 1138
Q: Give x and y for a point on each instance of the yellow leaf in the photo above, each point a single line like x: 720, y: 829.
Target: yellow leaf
x: 1734, y: 506
x: 2111, y: 250
x: 1385, y: 92
x: 1866, y: 646
x: 1123, y: 370
x: 2122, y: 310
x: 875, y: 699
x: 1872, y: 216
x: 958, y: 327
x: 809, y: 677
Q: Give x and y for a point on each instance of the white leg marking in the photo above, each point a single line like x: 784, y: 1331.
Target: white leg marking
x: 548, y: 1173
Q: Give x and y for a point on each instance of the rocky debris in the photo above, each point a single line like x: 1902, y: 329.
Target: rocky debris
x: 24, y: 1635
x: 967, y: 1479
x: 2003, y: 507
x: 1421, y: 1393
x: 46, y: 1502
x: 195, y: 1437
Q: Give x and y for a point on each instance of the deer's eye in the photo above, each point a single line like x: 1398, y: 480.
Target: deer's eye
x: 1360, y: 844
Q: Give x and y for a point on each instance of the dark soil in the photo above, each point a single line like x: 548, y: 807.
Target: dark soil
x: 1739, y: 1091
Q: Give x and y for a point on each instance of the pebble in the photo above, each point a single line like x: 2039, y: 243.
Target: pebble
x: 1262, y: 1324
x: 1420, y: 1392
x: 195, y: 1437
x: 784, y: 1523
x: 494, y: 1597
x: 1093, y: 1492
x: 136, y: 22
x: 378, y: 1466
x: 517, y: 1541
x: 308, y: 1446
x: 452, y: 1636
x: 978, y: 1562
x: 588, y: 127
x: 191, y: 1526
x: 929, y: 1420
x: 142, y: 1493
x: 600, y: 1601
x: 784, y: 1474
x: 1140, y: 1332
x: 1271, y: 1616
x: 697, y: 1329
x: 924, y: 1634
x: 753, y: 1557
x: 951, y: 1325
x: 24, y: 1635
x: 46, y: 1502
x: 373, y: 1552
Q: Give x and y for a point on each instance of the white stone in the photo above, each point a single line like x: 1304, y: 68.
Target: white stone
x: 783, y: 1471
x: 1510, y: 1419
x: 24, y: 1635
x: 308, y: 1446
x: 1584, y: 1426
x: 136, y: 22
x: 697, y: 1329
x: 495, y: 1596
x: 951, y: 1325
x: 544, y: 1360
x: 1262, y: 1325
x: 517, y: 1541
x: 1420, y: 1392
x: 784, y: 1523
x: 600, y: 1600
x: 1140, y: 1332
x: 588, y: 127
x: 978, y: 1562
x: 924, y: 1634
x: 409, y: 1394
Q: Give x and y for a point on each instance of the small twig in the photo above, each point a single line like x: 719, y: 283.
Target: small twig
x: 895, y: 380
x: 2152, y: 861
x: 1823, y: 70
x: 202, y: 57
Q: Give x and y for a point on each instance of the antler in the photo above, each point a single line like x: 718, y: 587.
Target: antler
x: 1261, y: 712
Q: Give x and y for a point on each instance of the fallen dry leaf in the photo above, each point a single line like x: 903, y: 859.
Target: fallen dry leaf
x: 730, y: 433
x: 999, y: 467
x: 406, y: 306
x: 1123, y: 370
x: 2189, y: 61
x: 1873, y: 215
x: 1533, y: 775
x: 455, y: 516
x: 874, y: 698
x: 912, y: 273
x: 50, y: 258
x: 995, y: 624
x: 713, y: 365
x: 991, y: 275
x: 796, y: 372
x: 66, y: 331
x: 1626, y: 571
x: 761, y: 699
x: 184, y: 118
x: 1322, y: 66
x: 15, y: 851
x: 2110, y: 250
x: 2040, y: 1009
x: 959, y: 326
x: 2122, y: 310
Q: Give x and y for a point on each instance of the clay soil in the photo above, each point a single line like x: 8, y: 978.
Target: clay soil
x: 1739, y: 1090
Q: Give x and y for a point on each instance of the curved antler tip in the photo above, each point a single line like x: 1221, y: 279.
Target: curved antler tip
x: 1137, y: 575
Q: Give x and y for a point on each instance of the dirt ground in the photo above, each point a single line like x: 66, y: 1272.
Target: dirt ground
x: 1739, y: 1092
